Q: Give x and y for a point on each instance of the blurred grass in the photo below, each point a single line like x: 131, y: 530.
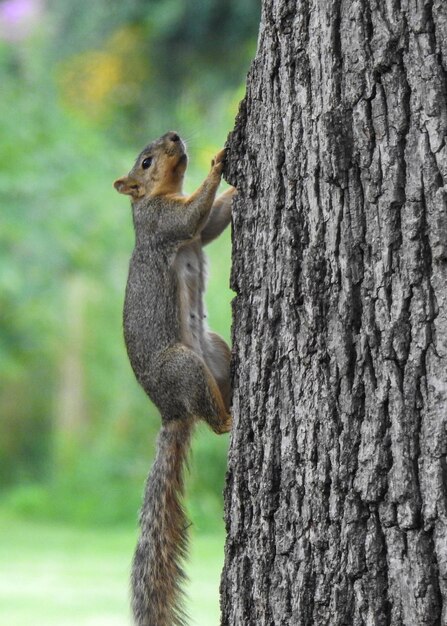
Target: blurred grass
x: 57, y: 575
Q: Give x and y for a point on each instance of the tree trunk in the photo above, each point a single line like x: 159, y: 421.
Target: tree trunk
x: 336, y: 499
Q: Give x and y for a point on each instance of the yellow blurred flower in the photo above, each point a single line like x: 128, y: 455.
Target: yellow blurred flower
x: 95, y: 81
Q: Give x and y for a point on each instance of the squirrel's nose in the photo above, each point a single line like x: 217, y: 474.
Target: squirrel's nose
x: 174, y: 137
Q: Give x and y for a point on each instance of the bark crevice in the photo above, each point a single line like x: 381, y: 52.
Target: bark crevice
x: 336, y: 501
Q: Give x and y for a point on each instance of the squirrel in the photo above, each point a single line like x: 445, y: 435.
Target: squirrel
x: 182, y: 366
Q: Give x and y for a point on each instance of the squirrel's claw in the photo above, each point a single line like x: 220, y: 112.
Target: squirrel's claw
x: 220, y: 156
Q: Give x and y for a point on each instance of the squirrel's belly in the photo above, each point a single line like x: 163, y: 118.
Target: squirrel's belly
x: 191, y: 322
x: 190, y: 296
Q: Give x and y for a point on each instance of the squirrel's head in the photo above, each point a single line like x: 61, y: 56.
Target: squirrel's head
x: 159, y: 169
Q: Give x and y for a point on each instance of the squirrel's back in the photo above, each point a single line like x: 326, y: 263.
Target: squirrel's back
x: 151, y: 316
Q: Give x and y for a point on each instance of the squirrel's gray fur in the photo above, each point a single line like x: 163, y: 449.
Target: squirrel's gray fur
x: 183, y: 367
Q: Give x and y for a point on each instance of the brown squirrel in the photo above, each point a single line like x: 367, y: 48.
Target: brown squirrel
x: 183, y: 367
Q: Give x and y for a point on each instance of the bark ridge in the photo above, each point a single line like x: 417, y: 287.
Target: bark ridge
x: 336, y: 499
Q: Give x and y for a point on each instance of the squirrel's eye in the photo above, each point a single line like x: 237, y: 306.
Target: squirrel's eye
x: 146, y: 163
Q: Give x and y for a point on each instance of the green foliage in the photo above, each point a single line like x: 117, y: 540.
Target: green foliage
x: 81, y: 94
x: 157, y: 62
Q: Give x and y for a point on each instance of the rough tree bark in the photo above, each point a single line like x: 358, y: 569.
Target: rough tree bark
x: 336, y: 500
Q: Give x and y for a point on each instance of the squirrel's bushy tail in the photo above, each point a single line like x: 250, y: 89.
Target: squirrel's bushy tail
x: 157, y: 566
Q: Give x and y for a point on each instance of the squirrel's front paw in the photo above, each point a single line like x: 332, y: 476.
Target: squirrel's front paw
x: 218, y: 158
x: 217, y: 162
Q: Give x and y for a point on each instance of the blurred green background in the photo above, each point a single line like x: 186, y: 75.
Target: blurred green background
x: 84, y: 86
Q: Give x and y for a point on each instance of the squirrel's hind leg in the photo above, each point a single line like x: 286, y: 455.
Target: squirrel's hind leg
x: 186, y: 388
x: 217, y: 356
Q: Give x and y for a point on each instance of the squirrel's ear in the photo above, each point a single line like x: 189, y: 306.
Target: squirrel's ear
x: 129, y: 186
